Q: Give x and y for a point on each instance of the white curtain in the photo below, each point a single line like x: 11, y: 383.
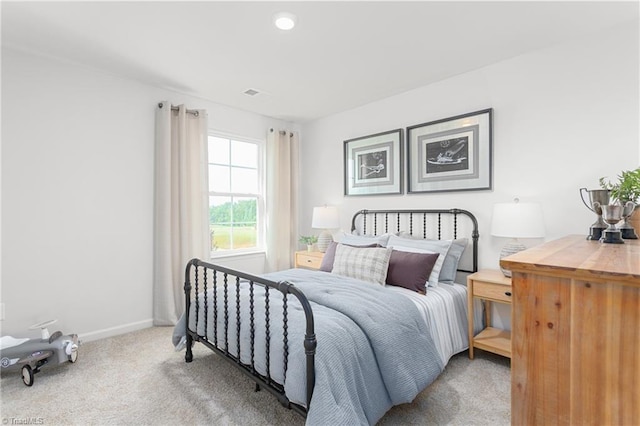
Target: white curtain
x: 181, y: 205
x: 281, y: 198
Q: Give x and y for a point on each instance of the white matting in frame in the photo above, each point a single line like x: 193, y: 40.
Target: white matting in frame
x: 453, y: 154
x: 373, y: 164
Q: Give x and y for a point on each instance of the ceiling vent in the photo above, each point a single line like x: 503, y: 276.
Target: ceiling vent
x: 251, y: 92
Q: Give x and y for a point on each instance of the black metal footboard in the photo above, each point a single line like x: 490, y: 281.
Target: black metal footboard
x: 209, y: 278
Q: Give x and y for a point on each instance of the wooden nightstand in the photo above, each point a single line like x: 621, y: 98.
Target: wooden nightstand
x: 309, y: 259
x: 490, y: 286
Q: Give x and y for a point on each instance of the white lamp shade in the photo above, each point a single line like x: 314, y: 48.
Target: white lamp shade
x: 517, y: 220
x: 325, y: 218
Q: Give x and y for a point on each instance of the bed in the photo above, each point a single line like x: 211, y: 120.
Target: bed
x: 332, y: 344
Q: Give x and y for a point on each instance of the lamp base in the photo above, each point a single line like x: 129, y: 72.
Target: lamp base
x: 509, y: 249
x: 324, y: 239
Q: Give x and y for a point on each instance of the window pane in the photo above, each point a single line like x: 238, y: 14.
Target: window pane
x: 244, y: 154
x: 219, y: 178
x: 218, y: 150
x: 233, y: 223
x: 220, y: 223
x: 244, y: 181
x: 245, y: 231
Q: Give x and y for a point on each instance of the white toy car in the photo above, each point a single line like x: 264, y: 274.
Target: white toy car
x: 33, y: 354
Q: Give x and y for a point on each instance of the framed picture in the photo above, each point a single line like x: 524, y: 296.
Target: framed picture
x: 453, y: 154
x: 373, y: 164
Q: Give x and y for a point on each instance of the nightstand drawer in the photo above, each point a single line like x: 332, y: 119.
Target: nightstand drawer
x: 492, y: 291
x: 308, y: 260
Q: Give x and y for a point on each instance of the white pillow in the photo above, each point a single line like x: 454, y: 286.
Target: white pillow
x: 423, y: 246
x: 364, y: 240
x: 366, y: 264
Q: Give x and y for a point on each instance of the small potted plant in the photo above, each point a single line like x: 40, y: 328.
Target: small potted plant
x: 309, y: 241
x: 626, y: 189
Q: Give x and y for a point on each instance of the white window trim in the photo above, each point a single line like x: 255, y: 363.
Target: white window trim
x: 260, y: 220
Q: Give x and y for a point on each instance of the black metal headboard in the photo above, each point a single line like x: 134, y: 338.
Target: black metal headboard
x: 432, y: 223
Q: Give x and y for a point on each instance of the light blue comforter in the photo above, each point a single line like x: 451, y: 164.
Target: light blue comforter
x: 374, y: 350
x: 392, y: 356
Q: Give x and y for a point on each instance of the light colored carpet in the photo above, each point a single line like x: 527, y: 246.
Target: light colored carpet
x: 138, y: 379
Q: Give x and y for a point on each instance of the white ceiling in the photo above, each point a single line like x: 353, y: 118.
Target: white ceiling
x: 340, y: 55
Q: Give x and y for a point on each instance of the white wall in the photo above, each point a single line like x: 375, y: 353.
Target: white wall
x: 77, y: 194
x: 563, y: 117
x: 77, y: 166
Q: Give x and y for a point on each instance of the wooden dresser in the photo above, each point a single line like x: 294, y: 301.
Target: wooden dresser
x: 575, y: 354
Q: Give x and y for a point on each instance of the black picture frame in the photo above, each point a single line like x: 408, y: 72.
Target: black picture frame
x: 451, y: 154
x: 373, y: 165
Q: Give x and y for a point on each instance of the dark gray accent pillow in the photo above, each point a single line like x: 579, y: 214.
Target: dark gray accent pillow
x: 410, y: 270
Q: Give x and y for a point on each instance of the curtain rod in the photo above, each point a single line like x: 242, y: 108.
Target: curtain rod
x: 175, y: 108
x: 282, y: 132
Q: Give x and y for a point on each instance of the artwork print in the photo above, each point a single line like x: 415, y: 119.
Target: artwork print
x: 373, y: 164
x: 451, y: 154
x: 447, y: 155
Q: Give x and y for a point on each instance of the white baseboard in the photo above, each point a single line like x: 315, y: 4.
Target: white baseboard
x: 115, y: 331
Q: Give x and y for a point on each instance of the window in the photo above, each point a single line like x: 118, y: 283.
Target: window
x: 235, y: 194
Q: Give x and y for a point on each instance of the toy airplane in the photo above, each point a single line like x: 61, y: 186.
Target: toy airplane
x: 33, y: 354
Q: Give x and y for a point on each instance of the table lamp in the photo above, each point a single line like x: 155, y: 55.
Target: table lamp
x: 516, y: 220
x: 324, y: 218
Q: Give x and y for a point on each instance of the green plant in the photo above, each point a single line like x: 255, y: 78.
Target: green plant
x: 308, y: 240
x: 627, y: 188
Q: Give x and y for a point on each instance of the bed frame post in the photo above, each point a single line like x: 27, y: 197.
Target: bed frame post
x: 310, y: 340
x: 310, y: 344
x: 188, y: 357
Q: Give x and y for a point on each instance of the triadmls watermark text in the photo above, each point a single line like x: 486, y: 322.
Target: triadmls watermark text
x: 23, y: 420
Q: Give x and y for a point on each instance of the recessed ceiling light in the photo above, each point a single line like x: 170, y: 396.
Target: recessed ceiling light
x: 284, y: 20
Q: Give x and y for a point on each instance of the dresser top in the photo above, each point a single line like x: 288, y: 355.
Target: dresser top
x: 582, y: 258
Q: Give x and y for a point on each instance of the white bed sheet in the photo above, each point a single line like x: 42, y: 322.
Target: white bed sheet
x: 444, y: 310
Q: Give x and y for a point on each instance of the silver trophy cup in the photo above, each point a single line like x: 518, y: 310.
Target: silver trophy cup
x: 628, y: 233
x: 597, y: 198
x: 612, y: 214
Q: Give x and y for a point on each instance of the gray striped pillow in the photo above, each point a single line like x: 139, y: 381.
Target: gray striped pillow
x: 366, y: 264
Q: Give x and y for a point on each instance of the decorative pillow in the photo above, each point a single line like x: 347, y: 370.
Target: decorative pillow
x: 451, y: 261
x: 424, y: 246
x: 327, y: 260
x: 330, y: 254
x: 411, y: 270
x: 364, y: 240
x: 367, y: 264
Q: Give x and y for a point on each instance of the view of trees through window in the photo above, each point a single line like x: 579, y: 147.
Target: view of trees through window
x: 234, y: 193
x: 233, y: 224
